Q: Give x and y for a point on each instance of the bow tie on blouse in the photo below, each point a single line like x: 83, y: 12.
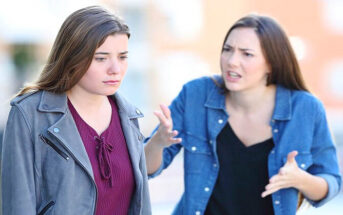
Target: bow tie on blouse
x: 104, y: 150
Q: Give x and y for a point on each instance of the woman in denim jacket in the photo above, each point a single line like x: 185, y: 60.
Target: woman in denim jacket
x: 72, y: 144
x: 253, y: 138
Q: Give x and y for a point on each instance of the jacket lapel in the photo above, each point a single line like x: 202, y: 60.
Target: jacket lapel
x: 128, y: 114
x: 65, y: 130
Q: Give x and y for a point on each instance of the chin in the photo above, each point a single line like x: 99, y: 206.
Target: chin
x: 231, y: 87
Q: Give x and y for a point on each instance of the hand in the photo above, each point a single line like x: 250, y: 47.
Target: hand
x: 289, y: 176
x: 165, y: 135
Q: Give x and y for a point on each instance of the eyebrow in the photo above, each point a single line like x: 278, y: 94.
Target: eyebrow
x: 107, y: 53
x: 241, y: 49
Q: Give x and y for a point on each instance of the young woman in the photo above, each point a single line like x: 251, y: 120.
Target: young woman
x: 254, y: 137
x: 72, y: 144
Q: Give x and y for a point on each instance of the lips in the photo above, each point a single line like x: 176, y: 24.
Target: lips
x: 111, y: 82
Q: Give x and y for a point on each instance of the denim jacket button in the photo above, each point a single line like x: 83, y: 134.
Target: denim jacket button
x: 197, y: 213
x: 272, y: 152
x: 276, y: 202
x: 302, y: 165
x: 276, y: 130
x: 56, y: 130
x: 210, y: 141
x: 220, y: 121
x: 194, y: 148
x: 207, y: 189
x: 215, y: 165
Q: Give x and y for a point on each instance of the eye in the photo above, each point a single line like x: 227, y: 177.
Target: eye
x: 123, y: 57
x: 99, y: 59
x: 226, y: 49
x: 248, y: 54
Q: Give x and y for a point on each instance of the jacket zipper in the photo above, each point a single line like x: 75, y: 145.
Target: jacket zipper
x: 46, y: 208
x: 59, y: 151
x: 84, y: 168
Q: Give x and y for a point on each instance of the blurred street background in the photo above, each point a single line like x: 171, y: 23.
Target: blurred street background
x: 172, y: 42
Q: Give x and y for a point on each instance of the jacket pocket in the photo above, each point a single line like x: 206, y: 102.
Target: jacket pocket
x: 198, y: 154
x: 53, y: 146
x: 46, y: 208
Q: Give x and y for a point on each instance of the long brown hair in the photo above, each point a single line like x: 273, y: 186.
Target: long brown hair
x: 276, y: 49
x: 72, y: 52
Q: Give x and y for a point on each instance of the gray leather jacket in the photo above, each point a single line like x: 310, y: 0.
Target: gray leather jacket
x: 45, y: 168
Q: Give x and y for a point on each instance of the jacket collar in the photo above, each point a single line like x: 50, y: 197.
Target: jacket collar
x: 51, y: 102
x: 216, y: 98
x: 283, y: 104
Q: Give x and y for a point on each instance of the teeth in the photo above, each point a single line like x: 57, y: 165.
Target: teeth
x: 233, y: 74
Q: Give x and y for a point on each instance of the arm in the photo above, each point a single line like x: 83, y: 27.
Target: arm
x: 290, y: 175
x: 17, y: 167
x: 163, y: 137
x: 322, y: 180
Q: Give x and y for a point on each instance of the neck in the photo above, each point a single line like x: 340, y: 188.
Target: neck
x: 86, y: 101
x: 250, y: 100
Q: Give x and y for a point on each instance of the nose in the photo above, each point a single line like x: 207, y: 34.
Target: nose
x: 233, y: 59
x: 114, y: 67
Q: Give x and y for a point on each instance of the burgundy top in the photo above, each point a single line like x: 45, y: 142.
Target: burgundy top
x: 111, y: 163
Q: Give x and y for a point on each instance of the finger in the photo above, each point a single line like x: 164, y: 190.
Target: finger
x: 275, y: 178
x: 277, y: 185
x: 268, y: 192
x: 283, y: 171
x: 176, y: 140
x: 163, y: 120
x: 165, y: 111
x: 291, y: 156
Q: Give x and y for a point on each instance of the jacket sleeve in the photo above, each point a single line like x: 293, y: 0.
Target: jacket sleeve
x: 177, y: 111
x: 325, y: 163
x: 17, y: 167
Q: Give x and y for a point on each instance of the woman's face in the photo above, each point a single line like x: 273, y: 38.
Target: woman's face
x: 107, y: 68
x: 242, y: 62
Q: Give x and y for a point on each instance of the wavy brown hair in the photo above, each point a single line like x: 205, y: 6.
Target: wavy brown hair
x: 276, y: 49
x: 74, y: 47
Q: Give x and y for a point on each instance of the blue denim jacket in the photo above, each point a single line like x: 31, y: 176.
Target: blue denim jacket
x: 298, y: 123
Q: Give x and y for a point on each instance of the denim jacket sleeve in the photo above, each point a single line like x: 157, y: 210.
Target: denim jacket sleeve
x: 17, y: 167
x: 324, y: 157
x: 177, y: 110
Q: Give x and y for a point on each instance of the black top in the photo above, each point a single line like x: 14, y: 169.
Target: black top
x: 243, y: 174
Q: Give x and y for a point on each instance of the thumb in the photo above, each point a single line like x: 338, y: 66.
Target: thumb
x: 291, y: 156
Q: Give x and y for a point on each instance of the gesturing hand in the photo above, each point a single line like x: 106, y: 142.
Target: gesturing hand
x: 289, y: 176
x: 165, y: 134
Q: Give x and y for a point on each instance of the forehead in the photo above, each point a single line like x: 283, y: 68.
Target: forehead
x: 116, y: 42
x: 243, y: 37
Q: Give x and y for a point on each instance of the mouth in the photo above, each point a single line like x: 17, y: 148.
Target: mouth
x: 111, y: 82
x: 233, y: 75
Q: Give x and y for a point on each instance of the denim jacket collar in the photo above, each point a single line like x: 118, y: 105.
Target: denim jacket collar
x: 283, y: 101
x: 282, y: 110
x: 215, y: 100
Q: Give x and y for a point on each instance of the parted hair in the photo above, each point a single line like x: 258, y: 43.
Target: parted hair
x: 71, y: 55
x: 276, y: 49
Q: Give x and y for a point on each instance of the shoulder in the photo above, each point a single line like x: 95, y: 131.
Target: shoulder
x: 202, y: 85
x: 27, y: 100
x: 306, y: 99
x: 126, y: 106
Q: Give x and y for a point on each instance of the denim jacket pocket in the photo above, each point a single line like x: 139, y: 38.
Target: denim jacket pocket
x: 304, y: 160
x: 198, y: 153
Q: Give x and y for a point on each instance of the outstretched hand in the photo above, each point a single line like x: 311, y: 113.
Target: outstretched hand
x: 165, y: 134
x: 289, y: 176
